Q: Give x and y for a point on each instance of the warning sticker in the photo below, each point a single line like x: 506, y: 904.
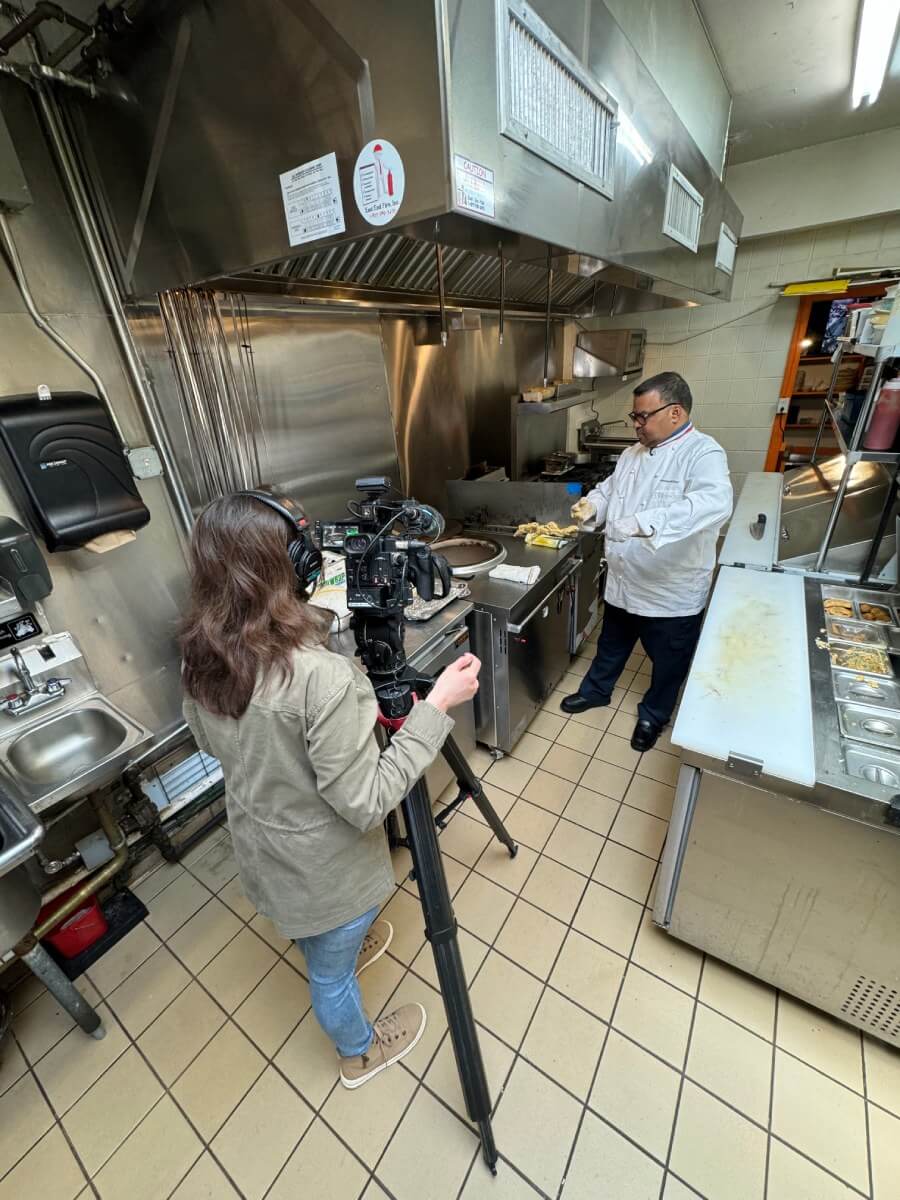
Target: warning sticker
x: 378, y: 181
x: 474, y: 186
x: 312, y: 200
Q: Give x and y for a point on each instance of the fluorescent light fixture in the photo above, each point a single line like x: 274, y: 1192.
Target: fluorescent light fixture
x: 874, y: 43
x: 628, y: 136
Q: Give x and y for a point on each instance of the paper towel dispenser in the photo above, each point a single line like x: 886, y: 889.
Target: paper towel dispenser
x: 71, y: 465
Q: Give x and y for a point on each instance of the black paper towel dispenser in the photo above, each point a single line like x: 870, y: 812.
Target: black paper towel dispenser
x: 70, y: 462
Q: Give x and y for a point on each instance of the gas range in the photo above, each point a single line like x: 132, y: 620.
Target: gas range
x: 587, y: 475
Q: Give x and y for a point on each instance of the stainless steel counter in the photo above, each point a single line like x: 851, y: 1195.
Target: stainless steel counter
x: 420, y: 637
x: 513, y: 600
x: 797, y: 885
x: 836, y: 789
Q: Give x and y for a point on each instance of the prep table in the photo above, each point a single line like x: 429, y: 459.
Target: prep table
x: 782, y: 858
x: 523, y: 635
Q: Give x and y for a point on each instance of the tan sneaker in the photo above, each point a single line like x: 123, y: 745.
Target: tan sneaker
x: 395, y: 1036
x: 374, y: 944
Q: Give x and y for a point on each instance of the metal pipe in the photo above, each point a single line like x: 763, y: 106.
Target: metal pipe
x: 834, y: 515
x: 825, y: 405
x: 862, y: 422
x: 502, y: 291
x: 63, y: 990
x: 118, y: 843
x: 547, y: 316
x: 889, y: 501
x: 44, y: 325
x: 42, y: 11
x: 106, y: 282
x: 439, y: 258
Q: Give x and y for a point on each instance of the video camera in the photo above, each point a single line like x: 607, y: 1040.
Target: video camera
x: 385, y: 559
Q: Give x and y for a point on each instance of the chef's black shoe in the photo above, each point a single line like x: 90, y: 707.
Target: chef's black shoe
x: 644, y: 736
x: 576, y: 703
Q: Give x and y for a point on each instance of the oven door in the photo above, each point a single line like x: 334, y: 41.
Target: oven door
x: 537, y: 654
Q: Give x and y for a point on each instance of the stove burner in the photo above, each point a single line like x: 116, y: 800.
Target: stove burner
x: 587, y: 476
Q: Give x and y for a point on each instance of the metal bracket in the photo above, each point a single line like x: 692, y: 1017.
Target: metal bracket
x: 145, y: 462
x: 742, y: 765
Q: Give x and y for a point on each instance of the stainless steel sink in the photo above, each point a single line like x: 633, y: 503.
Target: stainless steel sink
x: 67, y: 745
x: 72, y: 751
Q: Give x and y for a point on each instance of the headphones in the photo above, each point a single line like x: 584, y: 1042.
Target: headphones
x: 305, y: 555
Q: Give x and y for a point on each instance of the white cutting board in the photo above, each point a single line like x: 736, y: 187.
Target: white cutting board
x: 748, y: 690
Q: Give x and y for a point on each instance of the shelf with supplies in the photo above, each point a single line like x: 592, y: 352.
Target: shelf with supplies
x: 844, y: 440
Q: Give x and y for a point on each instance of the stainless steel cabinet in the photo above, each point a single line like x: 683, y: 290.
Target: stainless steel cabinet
x: 793, y: 894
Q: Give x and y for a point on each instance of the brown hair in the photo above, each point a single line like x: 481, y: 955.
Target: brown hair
x: 246, y: 614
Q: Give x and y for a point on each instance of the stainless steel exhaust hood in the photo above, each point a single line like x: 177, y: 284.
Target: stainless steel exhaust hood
x: 521, y: 138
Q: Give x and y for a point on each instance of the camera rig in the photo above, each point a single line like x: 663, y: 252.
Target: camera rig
x: 386, y: 557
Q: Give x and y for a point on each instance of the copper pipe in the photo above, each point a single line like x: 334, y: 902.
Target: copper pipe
x: 119, y: 845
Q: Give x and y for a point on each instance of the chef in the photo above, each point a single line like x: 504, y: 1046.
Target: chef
x: 662, y: 508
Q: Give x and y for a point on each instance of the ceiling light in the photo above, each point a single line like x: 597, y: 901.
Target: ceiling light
x: 629, y: 137
x: 874, y: 42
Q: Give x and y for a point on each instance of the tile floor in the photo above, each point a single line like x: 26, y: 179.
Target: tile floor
x: 626, y: 1066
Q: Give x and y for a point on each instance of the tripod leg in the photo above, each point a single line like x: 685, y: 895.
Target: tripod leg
x: 467, y: 781
x: 440, y: 929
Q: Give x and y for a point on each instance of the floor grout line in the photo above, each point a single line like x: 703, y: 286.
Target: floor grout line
x: 517, y: 1052
x: 771, y: 1095
x: 865, y: 1079
x: 684, y: 1077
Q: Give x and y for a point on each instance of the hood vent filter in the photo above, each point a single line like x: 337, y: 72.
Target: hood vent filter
x: 549, y: 103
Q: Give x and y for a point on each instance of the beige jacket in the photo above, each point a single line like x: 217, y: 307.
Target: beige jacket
x: 307, y: 790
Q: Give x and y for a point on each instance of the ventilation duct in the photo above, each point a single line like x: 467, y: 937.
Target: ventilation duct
x: 519, y: 133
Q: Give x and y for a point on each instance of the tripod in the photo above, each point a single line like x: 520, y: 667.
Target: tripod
x: 396, y: 699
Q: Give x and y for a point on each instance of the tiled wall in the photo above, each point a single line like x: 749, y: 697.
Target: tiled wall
x: 733, y: 354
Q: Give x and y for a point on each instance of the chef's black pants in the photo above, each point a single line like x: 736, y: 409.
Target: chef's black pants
x: 669, y: 642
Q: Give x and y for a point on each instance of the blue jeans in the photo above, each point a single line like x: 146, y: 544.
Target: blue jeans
x: 331, y: 966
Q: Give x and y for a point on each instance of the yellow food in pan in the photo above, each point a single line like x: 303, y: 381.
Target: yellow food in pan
x: 873, y: 662
x: 838, y: 608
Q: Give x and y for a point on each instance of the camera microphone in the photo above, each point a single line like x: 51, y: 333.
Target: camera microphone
x: 429, y: 521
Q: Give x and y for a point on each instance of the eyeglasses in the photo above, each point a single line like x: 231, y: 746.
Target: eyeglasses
x: 641, y: 418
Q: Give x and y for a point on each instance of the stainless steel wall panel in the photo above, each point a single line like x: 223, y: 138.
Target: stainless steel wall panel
x: 451, y: 405
x: 323, y: 401
x: 123, y: 607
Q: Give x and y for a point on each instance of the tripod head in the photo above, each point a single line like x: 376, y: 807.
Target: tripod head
x: 386, y: 554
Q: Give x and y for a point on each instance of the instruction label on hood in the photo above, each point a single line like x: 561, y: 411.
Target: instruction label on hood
x: 379, y: 181
x: 312, y: 200
x: 474, y: 186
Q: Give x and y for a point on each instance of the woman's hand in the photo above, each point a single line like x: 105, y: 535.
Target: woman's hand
x: 456, y: 684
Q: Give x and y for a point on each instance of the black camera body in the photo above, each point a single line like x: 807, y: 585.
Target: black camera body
x: 385, y: 560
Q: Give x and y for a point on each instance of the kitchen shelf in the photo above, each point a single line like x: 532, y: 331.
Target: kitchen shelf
x: 818, y: 392
x: 854, y: 456
x: 871, y: 349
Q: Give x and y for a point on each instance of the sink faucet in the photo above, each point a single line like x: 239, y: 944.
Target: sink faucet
x: 34, y: 694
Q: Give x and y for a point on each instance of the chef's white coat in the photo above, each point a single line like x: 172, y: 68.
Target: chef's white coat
x: 663, y: 509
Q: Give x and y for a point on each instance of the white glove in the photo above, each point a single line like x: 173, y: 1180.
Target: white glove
x: 622, y: 529
x: 583, y: 511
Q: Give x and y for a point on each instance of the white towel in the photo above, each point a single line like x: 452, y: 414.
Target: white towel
x: 507, y: 571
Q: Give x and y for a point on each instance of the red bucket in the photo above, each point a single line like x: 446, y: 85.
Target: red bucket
x: 78, y: 931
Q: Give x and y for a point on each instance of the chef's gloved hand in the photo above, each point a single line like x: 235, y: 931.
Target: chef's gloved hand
x: 583, y: 511
x: 622, y: 529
